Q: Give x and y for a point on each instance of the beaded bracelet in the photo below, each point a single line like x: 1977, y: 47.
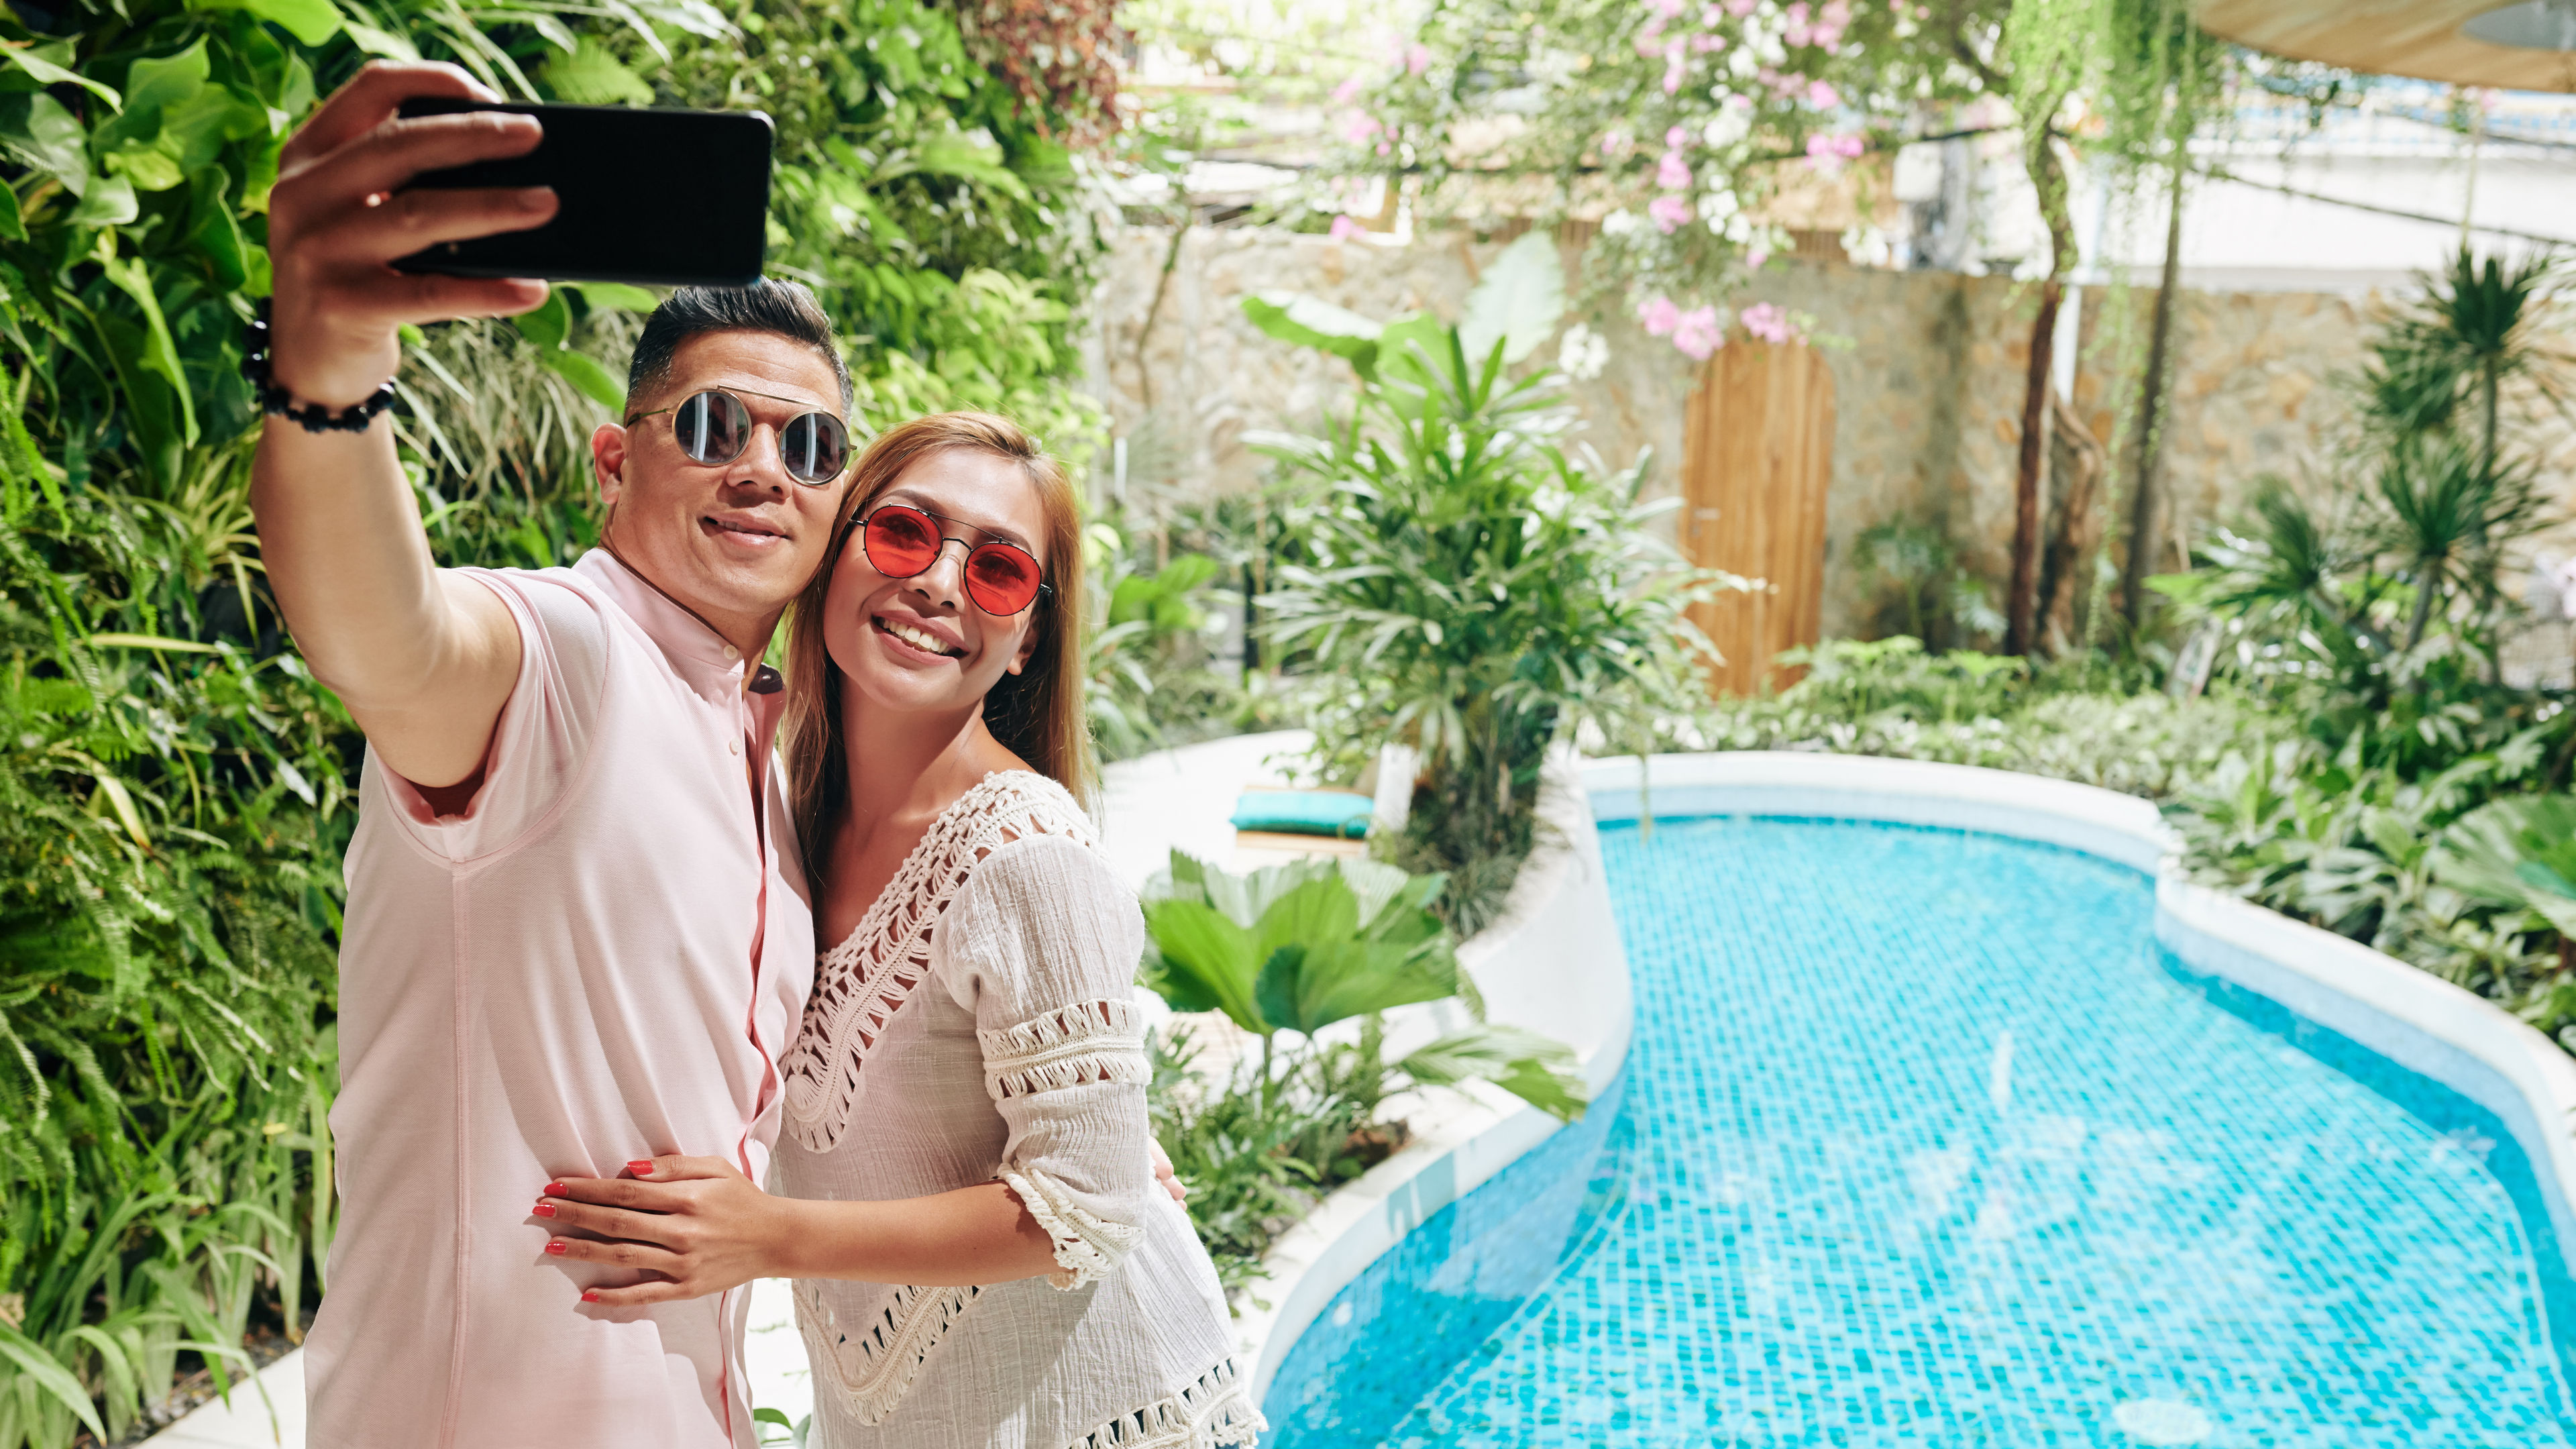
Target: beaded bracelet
x: 311, y: 417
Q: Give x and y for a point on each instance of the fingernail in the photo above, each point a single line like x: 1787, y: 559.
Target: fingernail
x: 535, y: 198
x: 555, y: 1246
x: 589, y: 1297
x: 544, y: 1210
x: 554, y: 1189
x: 640, y: 1169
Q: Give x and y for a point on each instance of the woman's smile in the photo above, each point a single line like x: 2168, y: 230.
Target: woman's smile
x: 916, y: 638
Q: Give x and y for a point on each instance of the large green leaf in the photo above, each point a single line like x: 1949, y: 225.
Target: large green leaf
x: 592, y: 75
x: 35, y: 128
x: 1531, y: 1067
x: 1207, y: 960
x: 1314, y: 986
x: 1305, y: 321
x: 1317, y: 912
x: 41, y: 64
x: 2519, y: 851
x: 13, y: 226
x: 1518, y: 301
x: 586, y: 373
x: 160, y: 355
x: 310, y: 21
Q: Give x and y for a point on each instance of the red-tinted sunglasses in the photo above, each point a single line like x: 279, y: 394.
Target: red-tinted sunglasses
x: 901, y: 541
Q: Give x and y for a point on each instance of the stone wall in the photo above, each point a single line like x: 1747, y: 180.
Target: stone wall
x: 1928, y: 391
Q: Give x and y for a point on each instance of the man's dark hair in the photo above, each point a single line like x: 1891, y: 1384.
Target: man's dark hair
x: 784, y: 308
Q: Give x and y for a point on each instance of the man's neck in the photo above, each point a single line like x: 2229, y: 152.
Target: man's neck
x: 748, y: 634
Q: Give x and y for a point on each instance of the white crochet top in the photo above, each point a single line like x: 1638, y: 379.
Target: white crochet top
x: 980, y: 1025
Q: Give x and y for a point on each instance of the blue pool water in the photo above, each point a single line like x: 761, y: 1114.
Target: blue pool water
x: 1923, y: 1140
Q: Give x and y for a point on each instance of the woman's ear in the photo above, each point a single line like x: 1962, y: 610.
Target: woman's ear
x: 1028, y: 647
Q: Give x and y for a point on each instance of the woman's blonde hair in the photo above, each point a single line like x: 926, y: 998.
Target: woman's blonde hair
x: 1036, y: 713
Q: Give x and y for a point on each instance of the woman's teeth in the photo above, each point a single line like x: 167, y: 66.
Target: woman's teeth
x: 918, y: 639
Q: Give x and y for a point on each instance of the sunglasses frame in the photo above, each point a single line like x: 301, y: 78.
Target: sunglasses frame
x: 737, y: 395
x: 965, y: 576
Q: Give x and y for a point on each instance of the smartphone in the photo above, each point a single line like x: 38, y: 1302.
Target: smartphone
x: 659, y: 197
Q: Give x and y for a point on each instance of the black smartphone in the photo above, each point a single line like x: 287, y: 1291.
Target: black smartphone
x: 664, y: 198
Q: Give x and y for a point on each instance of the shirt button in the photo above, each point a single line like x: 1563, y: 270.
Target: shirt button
x: 732, y: 654
x: 733, y: 747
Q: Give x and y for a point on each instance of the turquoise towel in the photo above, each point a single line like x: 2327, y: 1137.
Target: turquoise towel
x: 1337, y: 813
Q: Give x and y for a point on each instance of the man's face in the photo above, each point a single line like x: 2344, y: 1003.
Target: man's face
x: 733, y: 541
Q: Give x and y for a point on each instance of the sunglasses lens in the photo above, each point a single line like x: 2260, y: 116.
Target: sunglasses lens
x: 711, y: 427
x: 901, y: 541
x: 816, y: 447
x: 1000, y: 578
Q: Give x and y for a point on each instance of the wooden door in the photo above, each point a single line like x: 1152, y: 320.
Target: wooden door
x: 1758, y: 451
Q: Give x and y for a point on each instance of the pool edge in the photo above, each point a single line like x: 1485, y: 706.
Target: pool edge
x: 2383, y: 1003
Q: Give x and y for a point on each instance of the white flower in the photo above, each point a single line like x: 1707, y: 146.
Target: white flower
x: 1621, y: 223
x: 1868, y: 246
x: 1730, y: 125
x: 1584, y: 353
x: 1716, y: 206
x: 1741, y: 64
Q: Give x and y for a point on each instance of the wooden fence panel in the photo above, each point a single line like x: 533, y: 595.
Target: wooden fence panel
x: 1758, y: 452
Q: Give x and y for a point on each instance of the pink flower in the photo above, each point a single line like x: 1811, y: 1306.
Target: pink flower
x: 1703, y: 44
x: 1709, y: 15
x: 1345, y: 228
x: 1668, y: 9
x: 1674, y: 67
x: 1417, y: 59
x: 1650, y: 39
x: 1673, y: 173
x: 1768, y: 322
x: 1658, y: 316
x: 1829, y: 153
x: 1822, y: 95
x: 1347, y: 92
x: 1837, y: 13
x: 1795, y: 32
x: 1669, y: 211
x: 1358, y: 126
x: 1741, y: 8
x: 1828, y: 38
x: 1615, y: 144
x: 1699, y: 333
x: 1754, y: 257
x: 1739, y: 103
x: 1676, y: 138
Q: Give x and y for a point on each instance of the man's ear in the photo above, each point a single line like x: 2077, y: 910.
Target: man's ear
x: 608, y: 461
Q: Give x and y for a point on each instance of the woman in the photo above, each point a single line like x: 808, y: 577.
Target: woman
x: 983, y: 1258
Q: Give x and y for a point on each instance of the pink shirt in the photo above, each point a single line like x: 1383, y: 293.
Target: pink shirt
x: 601, y: 960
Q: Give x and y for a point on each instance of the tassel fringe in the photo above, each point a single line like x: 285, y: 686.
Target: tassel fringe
x: 1086, y: 1247
x: 1217, y: 1410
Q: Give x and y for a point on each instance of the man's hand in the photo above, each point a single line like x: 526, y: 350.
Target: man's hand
x: 697, y: 1222
x: 338, y: 215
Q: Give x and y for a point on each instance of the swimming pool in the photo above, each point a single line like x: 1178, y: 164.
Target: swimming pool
x: 1924, y: 1140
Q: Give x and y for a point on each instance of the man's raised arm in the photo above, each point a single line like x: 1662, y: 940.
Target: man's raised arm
x: 423, y: 659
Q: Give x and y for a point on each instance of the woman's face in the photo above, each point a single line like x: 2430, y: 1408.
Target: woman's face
x: 921, y: 643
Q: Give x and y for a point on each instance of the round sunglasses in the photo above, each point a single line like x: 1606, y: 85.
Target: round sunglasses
x: 902, y: 541
x: 713, y: 427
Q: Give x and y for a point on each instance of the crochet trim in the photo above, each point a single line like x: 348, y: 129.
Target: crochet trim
x: 892, y: 1347
x: 1097, y: 1041
x: 863, y: 982
x: 1217, y: 1410
x: 1087, y: 1246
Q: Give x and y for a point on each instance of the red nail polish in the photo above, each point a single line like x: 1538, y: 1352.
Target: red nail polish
x: 589, y: 1297
x: 555, y: 1246
x: 545, y: 1210
x: 554, y: 1189
x: 640, y: 1169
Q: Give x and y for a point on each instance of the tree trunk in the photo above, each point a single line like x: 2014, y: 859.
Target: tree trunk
x: 2048, y: 178
x: 2021, y: 604
x: 2151, y: 417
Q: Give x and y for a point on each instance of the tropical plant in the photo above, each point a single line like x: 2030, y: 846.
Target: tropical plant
x: 2519, y: 853
x: 1462, y: 585
x: 1308, y: 957
x: 174, y: 788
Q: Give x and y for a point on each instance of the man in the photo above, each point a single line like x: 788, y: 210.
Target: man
x: 577, y: 933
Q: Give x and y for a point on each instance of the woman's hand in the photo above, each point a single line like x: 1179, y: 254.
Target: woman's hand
x: 696, y: 1221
